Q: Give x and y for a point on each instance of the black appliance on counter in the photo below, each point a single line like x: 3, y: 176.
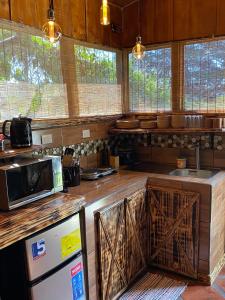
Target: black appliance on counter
x: 71, y: 175
x: 20, y: 132
x: 127, y: 156
x: 96, y: 173
x: 26, y: 180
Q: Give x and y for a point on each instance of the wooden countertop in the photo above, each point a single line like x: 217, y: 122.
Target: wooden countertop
x: 93, y: 191
x: 162, y: 172
x: 27, y: 220
x: 20, y: 223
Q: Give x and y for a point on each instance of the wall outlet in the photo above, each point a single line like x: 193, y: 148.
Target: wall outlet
x: 86, y: 133
x: 46, y: 139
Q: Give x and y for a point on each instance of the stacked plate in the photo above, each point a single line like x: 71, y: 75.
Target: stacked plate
x: 148, y: 124
x: 179, y: 121
x: 163, y: 122
x: 127, y: 124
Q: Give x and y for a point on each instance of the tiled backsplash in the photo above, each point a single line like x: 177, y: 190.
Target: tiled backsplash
x: 158, y: 148
x: 166, y: 148
x: 83, y: 149
x: 184, y: 141
x: 71, y: 136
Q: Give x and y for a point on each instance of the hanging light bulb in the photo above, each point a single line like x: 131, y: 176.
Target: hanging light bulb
x: 138, y: 50
x: 51, y: 29
x: 105, y: 13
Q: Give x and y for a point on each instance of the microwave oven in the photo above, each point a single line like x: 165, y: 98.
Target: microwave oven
x: 27, y: 180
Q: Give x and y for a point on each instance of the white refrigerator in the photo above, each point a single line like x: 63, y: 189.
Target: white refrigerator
x: 54, y: 259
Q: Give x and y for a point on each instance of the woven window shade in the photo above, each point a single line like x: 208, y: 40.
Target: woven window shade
x: 150, y: 81
x: 31, y: 80
x: 204, y: 76
x: 98, y: 81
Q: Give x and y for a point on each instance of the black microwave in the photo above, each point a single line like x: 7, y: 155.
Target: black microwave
x: 27, y: 180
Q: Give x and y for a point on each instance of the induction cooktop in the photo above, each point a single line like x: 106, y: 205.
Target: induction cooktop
x: 96, y: 173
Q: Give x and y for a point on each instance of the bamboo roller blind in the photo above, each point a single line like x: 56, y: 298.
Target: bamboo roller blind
x: 150, y: 81
x: 37, y: 77
x: 204, y: 76
x: 185, y: 76
x: 31, y: 80
x: 98, y: 89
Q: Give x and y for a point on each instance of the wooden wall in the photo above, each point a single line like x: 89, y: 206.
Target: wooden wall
x: 78, y: 18
x: 173, y: 20
x: 160, y: 21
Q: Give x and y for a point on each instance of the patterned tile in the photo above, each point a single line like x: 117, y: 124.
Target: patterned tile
x: 183, y: 141
x: 83, y: 149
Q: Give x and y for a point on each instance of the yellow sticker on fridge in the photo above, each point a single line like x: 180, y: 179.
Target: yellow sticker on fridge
x: 70, y: 243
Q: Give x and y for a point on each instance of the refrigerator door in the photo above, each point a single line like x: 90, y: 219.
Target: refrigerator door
x: 66, y: 284
x: 52, y: 247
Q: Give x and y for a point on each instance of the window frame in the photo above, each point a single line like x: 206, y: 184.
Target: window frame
x: 177, y: 86
x: 190, y: 42
x: 22, y: 28
x: 73, y: 106
x: 126, y: 97
x: 73, y: 114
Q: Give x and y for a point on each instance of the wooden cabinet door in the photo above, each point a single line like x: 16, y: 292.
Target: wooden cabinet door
x: 136, y: 233
x: 111, y: 249
x: 194, y: 18
x: 121, y: 244
x: 174, y: 229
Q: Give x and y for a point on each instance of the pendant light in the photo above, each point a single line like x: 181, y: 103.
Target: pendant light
x: 139, y: 50
x: 51, y: 29
x: 105, y: 13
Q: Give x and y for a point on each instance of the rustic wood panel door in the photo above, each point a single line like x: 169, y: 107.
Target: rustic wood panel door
x: 121, y: 244
x: 111, y: 250
x: 136, y: 232
x: 174, y: 229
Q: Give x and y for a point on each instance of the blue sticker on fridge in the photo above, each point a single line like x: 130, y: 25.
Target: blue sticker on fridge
x: 38, y: 249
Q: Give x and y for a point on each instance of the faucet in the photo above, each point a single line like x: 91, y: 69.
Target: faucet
x: 197, y: 155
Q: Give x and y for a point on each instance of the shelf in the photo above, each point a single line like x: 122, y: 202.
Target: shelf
x: 168, y: 130
x: 16, y: 152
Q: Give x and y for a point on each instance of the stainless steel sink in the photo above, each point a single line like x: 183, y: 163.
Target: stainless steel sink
x: 194, y: 173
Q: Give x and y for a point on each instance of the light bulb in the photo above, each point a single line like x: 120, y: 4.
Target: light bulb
x: 52, y: 31
x: 105, y: 13
x: 138, y: 50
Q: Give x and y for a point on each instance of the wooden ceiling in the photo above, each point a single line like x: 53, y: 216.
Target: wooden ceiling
x: 121, y: 3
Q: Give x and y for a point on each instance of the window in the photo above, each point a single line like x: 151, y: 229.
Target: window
x: 150, y: 81
x: 98, y: 77
x: 204, y: 80
x: 31, y: 81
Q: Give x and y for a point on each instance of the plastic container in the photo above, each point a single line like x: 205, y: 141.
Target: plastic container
x: 181, y: 163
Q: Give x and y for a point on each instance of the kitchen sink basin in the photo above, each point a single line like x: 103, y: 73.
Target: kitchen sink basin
x: 194, y: 173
